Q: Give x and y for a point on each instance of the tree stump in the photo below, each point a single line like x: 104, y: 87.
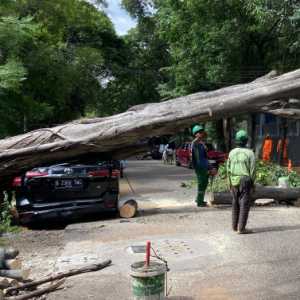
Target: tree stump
x: 128, y: 209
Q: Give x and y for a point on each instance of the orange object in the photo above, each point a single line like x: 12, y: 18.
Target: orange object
x: 290, y: 166
x: 267, y: 149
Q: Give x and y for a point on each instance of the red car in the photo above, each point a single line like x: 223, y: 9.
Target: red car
x: 184, y: 155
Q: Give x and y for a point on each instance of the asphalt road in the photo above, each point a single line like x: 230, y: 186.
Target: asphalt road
x: 156, y: 185
x: 206, y: 259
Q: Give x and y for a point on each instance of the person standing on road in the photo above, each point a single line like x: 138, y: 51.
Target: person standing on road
x: 241, y: 176
x: 200, y: 162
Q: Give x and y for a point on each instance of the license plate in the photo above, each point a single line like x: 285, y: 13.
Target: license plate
x: 68, y: 183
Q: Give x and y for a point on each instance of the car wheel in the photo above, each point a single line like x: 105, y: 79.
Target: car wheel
x: 178, y: 163
x: 190, y: 165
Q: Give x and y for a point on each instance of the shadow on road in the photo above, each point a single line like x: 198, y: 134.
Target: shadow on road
x: 60, y: 223
x: 277, y: 228
x: 180, y: 298
x: 179, y: 210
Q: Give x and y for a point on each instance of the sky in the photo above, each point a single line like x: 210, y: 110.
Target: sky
x: 120, y: 18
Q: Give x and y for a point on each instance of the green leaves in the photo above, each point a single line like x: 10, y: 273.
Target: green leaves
x: 55, y: 56
x: 15, y: 33
x: 12, y: 74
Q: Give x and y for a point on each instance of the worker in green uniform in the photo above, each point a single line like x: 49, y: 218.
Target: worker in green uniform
x: 241, y: 175
x: 200, y: 162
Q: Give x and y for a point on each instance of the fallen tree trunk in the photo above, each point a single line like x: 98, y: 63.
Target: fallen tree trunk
x: 276, y: 193
x: 116, y: 134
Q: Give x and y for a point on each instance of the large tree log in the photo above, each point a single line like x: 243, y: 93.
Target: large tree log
x: 116, y: 133
x: 276, y: 193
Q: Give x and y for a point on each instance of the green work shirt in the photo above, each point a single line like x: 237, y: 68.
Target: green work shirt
x: 241, y: 162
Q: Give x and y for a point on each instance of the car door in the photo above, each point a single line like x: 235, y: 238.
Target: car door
x: 179, y: 155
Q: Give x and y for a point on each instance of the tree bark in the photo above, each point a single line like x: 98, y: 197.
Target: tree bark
x: 276, y: 193
x: 227, y: 134
x: 113, y: 135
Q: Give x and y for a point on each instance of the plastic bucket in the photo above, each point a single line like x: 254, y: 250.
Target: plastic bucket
x: 148, y: 283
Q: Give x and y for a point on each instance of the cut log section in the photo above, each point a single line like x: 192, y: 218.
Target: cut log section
x: 20, y: 275
x: 116, y: 134
x: 8, y: 253
x: 128, y: 209
x: 12, y: 264
x: 50, y: 288
x: 7, y: 282
x: 276, y: 193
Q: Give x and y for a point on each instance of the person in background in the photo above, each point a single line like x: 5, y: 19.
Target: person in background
x: 200, y: 162
x: 241, y: 175
x: 267, y: 148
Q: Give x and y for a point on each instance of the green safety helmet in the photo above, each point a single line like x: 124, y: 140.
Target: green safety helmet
x: 197, y: 128
x: 241, y: 135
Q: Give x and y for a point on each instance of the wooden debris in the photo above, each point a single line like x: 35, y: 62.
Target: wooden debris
x: 128, y: 209
x: 7, y: 282
x: 12, y: 278
x: 50, y: 288
x: 264, y: 202
x: 12, y: 264
x: 8, y: 253
x: 90, y: 268
x: 19, y: 275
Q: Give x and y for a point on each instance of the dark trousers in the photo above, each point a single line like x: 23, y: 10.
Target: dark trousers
x: 202, y: 182
x: 241, y: 203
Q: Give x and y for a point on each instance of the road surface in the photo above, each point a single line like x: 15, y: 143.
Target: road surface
x: 206, y: 259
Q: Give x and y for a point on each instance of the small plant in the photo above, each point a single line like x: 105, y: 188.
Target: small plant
x: 6, y: 216
x: 267, y: 174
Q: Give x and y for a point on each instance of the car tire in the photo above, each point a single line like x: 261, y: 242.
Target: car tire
x: 178, y: 163
x: 190, y: 165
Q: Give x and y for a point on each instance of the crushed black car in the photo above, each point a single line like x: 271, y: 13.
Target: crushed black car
x: 67, y: 189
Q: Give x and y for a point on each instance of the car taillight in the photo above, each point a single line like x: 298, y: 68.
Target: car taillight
x: 104, y: 173
x: 17, y: 182
x: 99, y: 173
x: 31, y: 174
x: 115, y: 173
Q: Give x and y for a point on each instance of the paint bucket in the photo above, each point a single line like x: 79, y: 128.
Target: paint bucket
x: 148, y: 282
